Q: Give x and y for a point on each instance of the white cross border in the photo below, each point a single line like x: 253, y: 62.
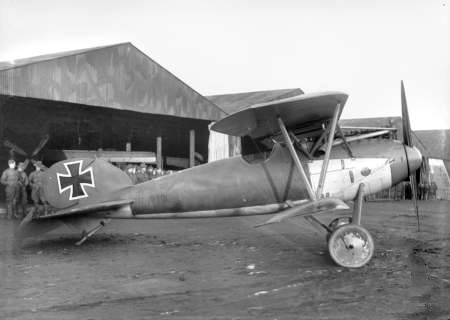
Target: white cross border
x: 68, y: 175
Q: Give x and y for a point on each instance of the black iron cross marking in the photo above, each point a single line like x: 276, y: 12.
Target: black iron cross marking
x: 75, y: 180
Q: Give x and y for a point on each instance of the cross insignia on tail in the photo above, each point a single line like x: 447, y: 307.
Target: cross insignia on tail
x: 75, y: 180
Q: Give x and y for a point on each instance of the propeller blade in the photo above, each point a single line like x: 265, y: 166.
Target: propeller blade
x: 15, y: 148
x: 407, y: 140
x: 25, y: 164
x: 406, y: 124
x: 41, y: 145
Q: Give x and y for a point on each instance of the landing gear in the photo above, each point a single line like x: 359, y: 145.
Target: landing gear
x: 351, y: 246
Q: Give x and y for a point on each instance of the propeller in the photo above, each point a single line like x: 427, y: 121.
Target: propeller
x: 407, y: 140
x: 16, y: 149
x: 41, y: 145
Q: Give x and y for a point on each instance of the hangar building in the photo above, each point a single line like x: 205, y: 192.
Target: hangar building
x: 111, y: 98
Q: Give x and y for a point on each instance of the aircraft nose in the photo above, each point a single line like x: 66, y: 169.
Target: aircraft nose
x: 414, y: 158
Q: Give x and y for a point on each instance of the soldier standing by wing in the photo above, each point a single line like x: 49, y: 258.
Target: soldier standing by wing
x: 36, y: 183
x: 22, y: 196
x: 10, y: 179
x: 141, y: 175
x: 131, y: 172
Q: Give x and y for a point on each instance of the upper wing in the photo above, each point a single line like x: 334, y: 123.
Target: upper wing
x: 260, y: 120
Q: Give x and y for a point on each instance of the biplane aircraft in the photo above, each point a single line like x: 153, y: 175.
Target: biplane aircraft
x: 303, y: 166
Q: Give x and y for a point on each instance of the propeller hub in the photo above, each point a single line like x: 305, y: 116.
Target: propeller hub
x: 414, y: 158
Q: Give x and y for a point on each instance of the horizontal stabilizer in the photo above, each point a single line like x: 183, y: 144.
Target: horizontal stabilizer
x: 307, y: 209
x: 88, y: 208
x: 32, y: 225
x: 32, y: 228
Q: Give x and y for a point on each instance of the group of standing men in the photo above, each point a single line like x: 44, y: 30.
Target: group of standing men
x: 16, y: 183
x: 142, y: 173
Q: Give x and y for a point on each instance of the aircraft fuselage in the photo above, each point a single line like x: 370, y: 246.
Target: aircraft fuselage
x: 236, y: 183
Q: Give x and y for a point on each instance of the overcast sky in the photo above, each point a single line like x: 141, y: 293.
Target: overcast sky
x: 363, y: 48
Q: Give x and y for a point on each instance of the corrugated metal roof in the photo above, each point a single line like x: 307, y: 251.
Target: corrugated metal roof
x: 5, y: 65
x: 233, y: 102
x: 118, y: 76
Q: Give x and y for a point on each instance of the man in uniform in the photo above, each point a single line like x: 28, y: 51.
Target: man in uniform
x: 141, y: 175
x: 433, y: 190
x: 131, y: 172
x: 10, y: 179
x: 150, y: 172
x: 22, y: 196
x: 421, y: 191
x: 36, y: 183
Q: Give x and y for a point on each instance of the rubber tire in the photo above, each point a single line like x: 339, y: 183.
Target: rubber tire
x: 345, y: 257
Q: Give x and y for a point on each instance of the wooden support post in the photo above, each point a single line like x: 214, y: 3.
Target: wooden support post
x: 159, y: 152
x: 191, y: 148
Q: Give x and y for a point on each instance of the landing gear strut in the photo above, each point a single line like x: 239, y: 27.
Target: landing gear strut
x: 350, y: 245
x: 87, y: 234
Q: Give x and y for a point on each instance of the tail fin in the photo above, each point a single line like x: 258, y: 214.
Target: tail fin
x: 80, y: 182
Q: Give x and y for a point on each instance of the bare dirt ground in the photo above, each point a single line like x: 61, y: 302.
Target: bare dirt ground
x: 226, y: 269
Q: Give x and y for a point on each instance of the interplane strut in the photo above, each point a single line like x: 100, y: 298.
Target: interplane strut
x: 328, y: 151
x: 294, y: 156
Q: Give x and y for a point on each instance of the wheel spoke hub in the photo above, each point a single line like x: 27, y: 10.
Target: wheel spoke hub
x: 351, y: 246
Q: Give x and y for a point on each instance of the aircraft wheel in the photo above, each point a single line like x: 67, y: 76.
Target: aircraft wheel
x: 351, y: 246
x: 336, y: 223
